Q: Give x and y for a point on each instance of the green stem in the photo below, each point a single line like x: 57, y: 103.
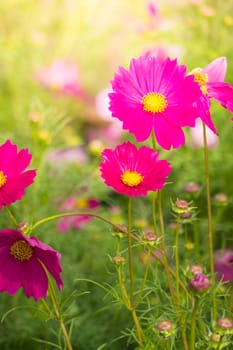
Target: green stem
x: 163, y: 245
x: 58, y: 315
x: 124, y: 294
x: 76, y: 213
x: 193, y: 323
x: 144, y: 278
x: 210, y: 228
x: 167, y: 271
x: 131, y: 276
x: 220, y: 342
x: 177, y: 258
x: 11, y: 216
x: 154, y: 194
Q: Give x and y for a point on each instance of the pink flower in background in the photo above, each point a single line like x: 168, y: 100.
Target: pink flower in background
x: 223, y: 264
x: 72, y: 155
x: 62, y: 76
x: 196, y: 136
x: 77, y: 204
x: 13, y: 178
x: 155, y: 95
x: 133, y: 171
x: 25, y: 262
x: 211, y: 81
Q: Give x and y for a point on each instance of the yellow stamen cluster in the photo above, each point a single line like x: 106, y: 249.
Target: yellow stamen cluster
x: 82, y: 203
x: 3, y: 179
x: 201, y: 79
x: 154, y: 102
x: 21, y: 250
x: 131, y: 178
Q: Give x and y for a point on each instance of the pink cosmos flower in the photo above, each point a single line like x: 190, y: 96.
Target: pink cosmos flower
x: 62, y: 76
x: 155, y: 94
x: 13, y: 178
x: 133, y: 171
x: 76, y: 204
x: 196, y: 136
x: 24, y: 262
x: 211, y: 81
x: 223, y: 264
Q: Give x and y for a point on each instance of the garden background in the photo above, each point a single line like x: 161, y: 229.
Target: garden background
x: 66, y: 131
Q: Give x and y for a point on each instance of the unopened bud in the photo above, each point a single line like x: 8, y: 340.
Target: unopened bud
x: 221, y: 199
x: 150, y: 238
x: 195, y: 269
x: 165, y: 328
x: 200, y: 283
x: 224, y: 326
x: 23, y: 227
x: 118, y: 260
x: 192, y: 187
x: 181, y: 206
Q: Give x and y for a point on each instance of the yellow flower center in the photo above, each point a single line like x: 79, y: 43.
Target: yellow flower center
x: 154, y: 102
x: 21, y: 250
x: 131, y: 178
x: 82, y: 203
x: 3, y: 179
x: 201, y: 79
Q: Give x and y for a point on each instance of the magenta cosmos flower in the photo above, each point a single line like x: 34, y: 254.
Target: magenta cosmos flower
x: 211, y: 81
x: 77, y: 204
x: 13, y: 178
x: 155, y: 94
x: 24, y: 262
x: 133, y: 171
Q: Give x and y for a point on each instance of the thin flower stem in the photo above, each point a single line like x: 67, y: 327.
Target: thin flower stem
x: 154, y: 194
x: 124, y: 294
x: 163, y: 245
x: 76, y: 213
x: 167, y: 271
x: 193, y: 323
x: 210, y: 228
x: 144, y: 278
x: 220, y: 342
x: 11, y: 216
x: 58, y: 315
x: 177, y: 258
x: 131, y: 276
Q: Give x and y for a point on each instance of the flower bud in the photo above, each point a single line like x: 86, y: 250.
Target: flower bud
x: 221, y: 199
x: 118, y: 260
x: 200, y: 283
x: 191, y: 187
x: 224, y: 326
x: 150, y: 238
x: 165, y: 328
x: 195, y: 269
x: 23, y: 227
x: 181, y: 206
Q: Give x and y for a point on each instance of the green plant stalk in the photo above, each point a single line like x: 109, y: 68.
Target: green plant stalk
x: 144, y: 278
x: 154, y: 194
x: 124, y: 294
x: 193, y: 323
x: 131, y: 276
x: 177, y: 258
x: 210, y: 227
x: 58, y: 315
x: 163, y: 245
x: 11, y: 216
x: 220, y: 342
x: 167, y: 270
x: 76, y: 213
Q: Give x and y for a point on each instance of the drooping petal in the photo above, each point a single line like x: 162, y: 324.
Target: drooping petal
x: 223, y: 93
